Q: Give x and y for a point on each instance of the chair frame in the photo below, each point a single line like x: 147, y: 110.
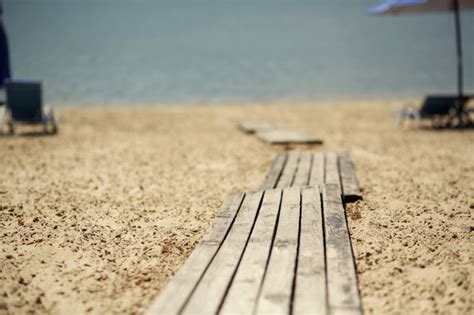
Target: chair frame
x: 47, y: 118
x: 456, y: 110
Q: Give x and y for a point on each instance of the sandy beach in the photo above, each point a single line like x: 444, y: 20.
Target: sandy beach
x: 97, y: 219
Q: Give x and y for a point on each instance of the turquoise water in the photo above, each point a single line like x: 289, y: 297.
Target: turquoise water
x: 212, y: 51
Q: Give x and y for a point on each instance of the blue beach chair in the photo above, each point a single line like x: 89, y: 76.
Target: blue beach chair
x: 24, y: 106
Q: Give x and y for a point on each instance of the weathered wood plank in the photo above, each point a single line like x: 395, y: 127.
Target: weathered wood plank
x: 242, y: 295
x: 310, y: 289
x: 275, y: 172
x: 210, y: 291
x: 284, y: 136
x: 350, y: 186
x: 317, y: 170
x: 186, y: 279
x: 289, y: 171
x: 343, y: 293
x: 276, y: 292
x: 303, y: 170
x: 332, y: 170
x: 255, y: 126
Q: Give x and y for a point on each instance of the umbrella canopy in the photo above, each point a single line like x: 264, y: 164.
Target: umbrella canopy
x: 4, y: 55
x: 422, y: 6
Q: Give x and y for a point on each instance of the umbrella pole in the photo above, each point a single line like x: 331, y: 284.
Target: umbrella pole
x: 460, y: 108
x: 457, y: 21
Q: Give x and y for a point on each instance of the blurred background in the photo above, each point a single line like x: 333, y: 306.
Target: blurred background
x: 101, y: 52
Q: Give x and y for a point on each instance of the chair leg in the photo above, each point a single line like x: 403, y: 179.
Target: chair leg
x: 464, y: 119
x: 11, y: 128
x: 1, y: 123
x: 50, y: 120
x: 417, y: 119
x: 54, y: 126
x: 45, y: 127
x: 54, y: 122
x: 397, y: 117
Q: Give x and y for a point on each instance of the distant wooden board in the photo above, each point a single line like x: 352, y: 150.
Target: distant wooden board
x: 304, y: 169
x: 273, y: 177
x: 255, y: 126
x: 277, y: 251
x: 289, y: 171
x: 317, y: 176
x: 284, y: 136
x: 350, y: 185
x: 299, y: 169
x: 271, y: 134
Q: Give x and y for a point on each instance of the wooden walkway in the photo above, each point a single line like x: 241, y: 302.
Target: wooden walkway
x: 298, y: 169
x: 275, y: 251
x: 286, y: 136
x: 271, y: 134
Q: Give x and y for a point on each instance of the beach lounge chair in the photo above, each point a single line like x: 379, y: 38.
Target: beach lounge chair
x: 24, y: 106
x: 440, y: 109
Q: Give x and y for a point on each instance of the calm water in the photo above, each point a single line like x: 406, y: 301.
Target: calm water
x: 188, y: 51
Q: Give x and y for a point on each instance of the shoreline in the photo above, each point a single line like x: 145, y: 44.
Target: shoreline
x: 98, y: 218
x: 416, y: 100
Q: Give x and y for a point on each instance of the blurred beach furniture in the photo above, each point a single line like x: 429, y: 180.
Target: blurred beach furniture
x: 436, y: 106
x: 269, y: 133
x: 4, y: 56
x: 24, y: 106
x: 440, y: 109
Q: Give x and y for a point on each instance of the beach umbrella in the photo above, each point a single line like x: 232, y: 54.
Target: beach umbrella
x: 4, y: 56
x: 422, y: 6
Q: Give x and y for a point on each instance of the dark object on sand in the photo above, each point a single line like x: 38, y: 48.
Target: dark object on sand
x: 442, y: 110
x: 25, y: 106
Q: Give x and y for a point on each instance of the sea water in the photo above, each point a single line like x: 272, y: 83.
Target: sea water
x: 225, y: 51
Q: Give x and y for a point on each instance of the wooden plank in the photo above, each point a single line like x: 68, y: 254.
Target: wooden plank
x: 343, y: 293
x: 303, y: 171
x: 350, y: 186
x: 186, y: 279
x: 284, y: 136
x: 275, y: 172
x: 255, y: 126
x: 276, y: 292
x: 210, y: 291
x: 317, y: 170
x: 243, y: 293
x: 310, y: 289
x: 289, y: 171
x: 332, y: 170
